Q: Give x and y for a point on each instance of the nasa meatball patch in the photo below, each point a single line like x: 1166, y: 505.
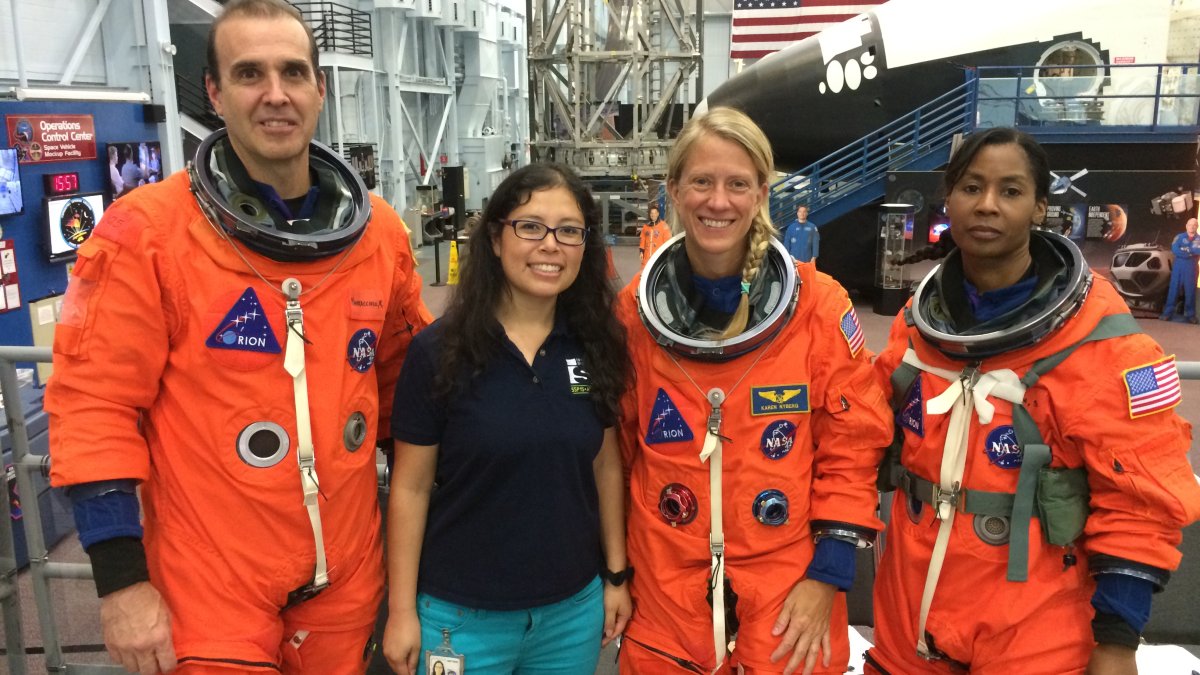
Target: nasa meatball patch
x: 1002, y: 448
x: 777, y: 439
x: 245, y: 328
x: 361, y: 350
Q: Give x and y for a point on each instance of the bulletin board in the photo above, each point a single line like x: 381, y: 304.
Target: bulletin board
x: 10, y: 289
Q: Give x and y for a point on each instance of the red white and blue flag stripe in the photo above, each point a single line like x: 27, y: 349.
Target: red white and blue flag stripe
x: 761, y: 27
x: 1153, y: 387
x: 852, y: 331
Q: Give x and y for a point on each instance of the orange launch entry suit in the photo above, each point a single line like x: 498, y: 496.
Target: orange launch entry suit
x: 169, y: 371
x: 809, y: 402
x: 1142, y: 492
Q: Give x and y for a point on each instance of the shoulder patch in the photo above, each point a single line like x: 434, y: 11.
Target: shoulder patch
x: 1152, y: 387
x: 666, y: 423
x: 779, y: 399
x: 852, y: 330
x: 245, y: 328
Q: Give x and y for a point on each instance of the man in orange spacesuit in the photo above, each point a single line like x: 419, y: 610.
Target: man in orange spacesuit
x: 229, y: 344
x: 1043, y: 474
x: 750, y: 434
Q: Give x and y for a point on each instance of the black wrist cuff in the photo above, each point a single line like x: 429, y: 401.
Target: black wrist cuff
x: 1110, y: 629
x: 118, y: 563
x: 617, y: 578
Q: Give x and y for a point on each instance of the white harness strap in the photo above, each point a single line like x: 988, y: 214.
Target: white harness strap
x: 977, y: 388
x: 293, y: 363
x: 711, y: 452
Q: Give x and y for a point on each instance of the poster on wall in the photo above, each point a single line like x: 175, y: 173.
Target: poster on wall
x: 51, y: 138
x: 10, y: 290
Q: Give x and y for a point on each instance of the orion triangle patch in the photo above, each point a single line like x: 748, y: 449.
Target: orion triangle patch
x: 911, y: 416
x: 245, y: 328
x: 666, y: 424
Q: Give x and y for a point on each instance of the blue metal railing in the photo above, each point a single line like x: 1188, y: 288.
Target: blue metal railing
x: 855, y: 175
x: 1124, y: 102
x: 1109, y: 103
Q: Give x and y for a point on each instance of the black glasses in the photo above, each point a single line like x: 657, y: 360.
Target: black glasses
x: 567, y: 235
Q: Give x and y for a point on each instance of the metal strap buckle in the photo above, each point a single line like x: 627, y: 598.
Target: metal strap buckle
x: 955, y: 498
x: 304, y: 593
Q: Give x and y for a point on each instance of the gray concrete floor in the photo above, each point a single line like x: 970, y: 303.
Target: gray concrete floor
x: 76, y: 607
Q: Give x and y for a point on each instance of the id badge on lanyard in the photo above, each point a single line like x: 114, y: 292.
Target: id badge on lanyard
x: 443, y: 660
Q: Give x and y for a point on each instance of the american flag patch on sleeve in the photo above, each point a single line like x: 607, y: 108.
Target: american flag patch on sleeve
x: 1153, y: 387
x: 852, y: 330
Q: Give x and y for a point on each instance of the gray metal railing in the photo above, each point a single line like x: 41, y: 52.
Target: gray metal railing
x: 41, y: 569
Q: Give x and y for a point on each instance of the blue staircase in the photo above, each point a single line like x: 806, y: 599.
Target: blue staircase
x: 856, y: 175
x: 1165, y: 109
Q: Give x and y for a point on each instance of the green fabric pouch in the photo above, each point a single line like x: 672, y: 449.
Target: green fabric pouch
x: 1062, y: 504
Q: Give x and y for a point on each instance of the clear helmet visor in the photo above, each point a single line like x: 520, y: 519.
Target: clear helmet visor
x: 665, y: 312
x: 1029, y: 330
x: 227, y: 197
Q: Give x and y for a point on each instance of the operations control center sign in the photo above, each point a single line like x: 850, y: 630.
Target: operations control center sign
x: 51, y: 138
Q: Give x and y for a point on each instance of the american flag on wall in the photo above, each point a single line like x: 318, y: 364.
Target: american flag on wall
x: 764, y: 26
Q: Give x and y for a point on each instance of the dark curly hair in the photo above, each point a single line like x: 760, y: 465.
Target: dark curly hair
x: 960, y: 161
x: 469, y: 338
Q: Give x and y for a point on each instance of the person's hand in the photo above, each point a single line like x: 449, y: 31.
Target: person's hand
x: 804, y: 624
x: 618, y: 607
x: 1108, y: 659
x: 402, y: 641
x: 137, y: 629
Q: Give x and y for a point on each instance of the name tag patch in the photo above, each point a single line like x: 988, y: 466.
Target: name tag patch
x: 245, y: 328
x: 779, y: 400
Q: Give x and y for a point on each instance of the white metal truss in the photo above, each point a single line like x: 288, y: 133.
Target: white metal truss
x: 592, y: 58
x: 417, y: 57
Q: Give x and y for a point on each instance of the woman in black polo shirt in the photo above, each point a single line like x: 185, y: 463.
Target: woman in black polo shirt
x: 507, y: 492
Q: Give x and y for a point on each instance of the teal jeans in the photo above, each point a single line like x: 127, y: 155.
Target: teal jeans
x: 558, y: 639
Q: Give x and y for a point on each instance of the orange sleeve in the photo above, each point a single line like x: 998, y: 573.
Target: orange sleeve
x: 627, y: 431
x: 1143, y: 490
x: 852, y: 422
x: 407, y: 314
x: 110, y: 350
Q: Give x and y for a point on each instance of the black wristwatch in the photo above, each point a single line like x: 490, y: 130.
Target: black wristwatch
x: 618, y: 578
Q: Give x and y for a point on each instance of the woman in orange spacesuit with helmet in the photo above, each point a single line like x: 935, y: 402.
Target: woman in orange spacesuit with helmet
x: 1042, y: 470
x: 751, y: 434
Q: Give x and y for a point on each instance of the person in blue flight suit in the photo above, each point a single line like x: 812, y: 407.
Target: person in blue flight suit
x: 1186, y: 249
x: 801, y: 238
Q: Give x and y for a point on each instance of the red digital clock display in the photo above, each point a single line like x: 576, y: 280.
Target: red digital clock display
x: 60, y: 183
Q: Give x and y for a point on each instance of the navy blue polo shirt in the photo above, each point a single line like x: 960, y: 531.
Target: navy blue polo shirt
x: 514, y: 516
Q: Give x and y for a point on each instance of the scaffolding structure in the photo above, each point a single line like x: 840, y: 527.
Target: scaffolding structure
x: 612, y: 81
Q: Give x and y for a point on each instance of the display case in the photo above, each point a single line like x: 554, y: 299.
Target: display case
x: 893, y: 245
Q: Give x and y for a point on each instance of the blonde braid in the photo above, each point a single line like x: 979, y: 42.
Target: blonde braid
x: 760, y: 242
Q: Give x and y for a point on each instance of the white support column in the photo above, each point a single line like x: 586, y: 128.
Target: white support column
x: 22, y: 77
x: 84, y: 42
x: 160, y: 53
